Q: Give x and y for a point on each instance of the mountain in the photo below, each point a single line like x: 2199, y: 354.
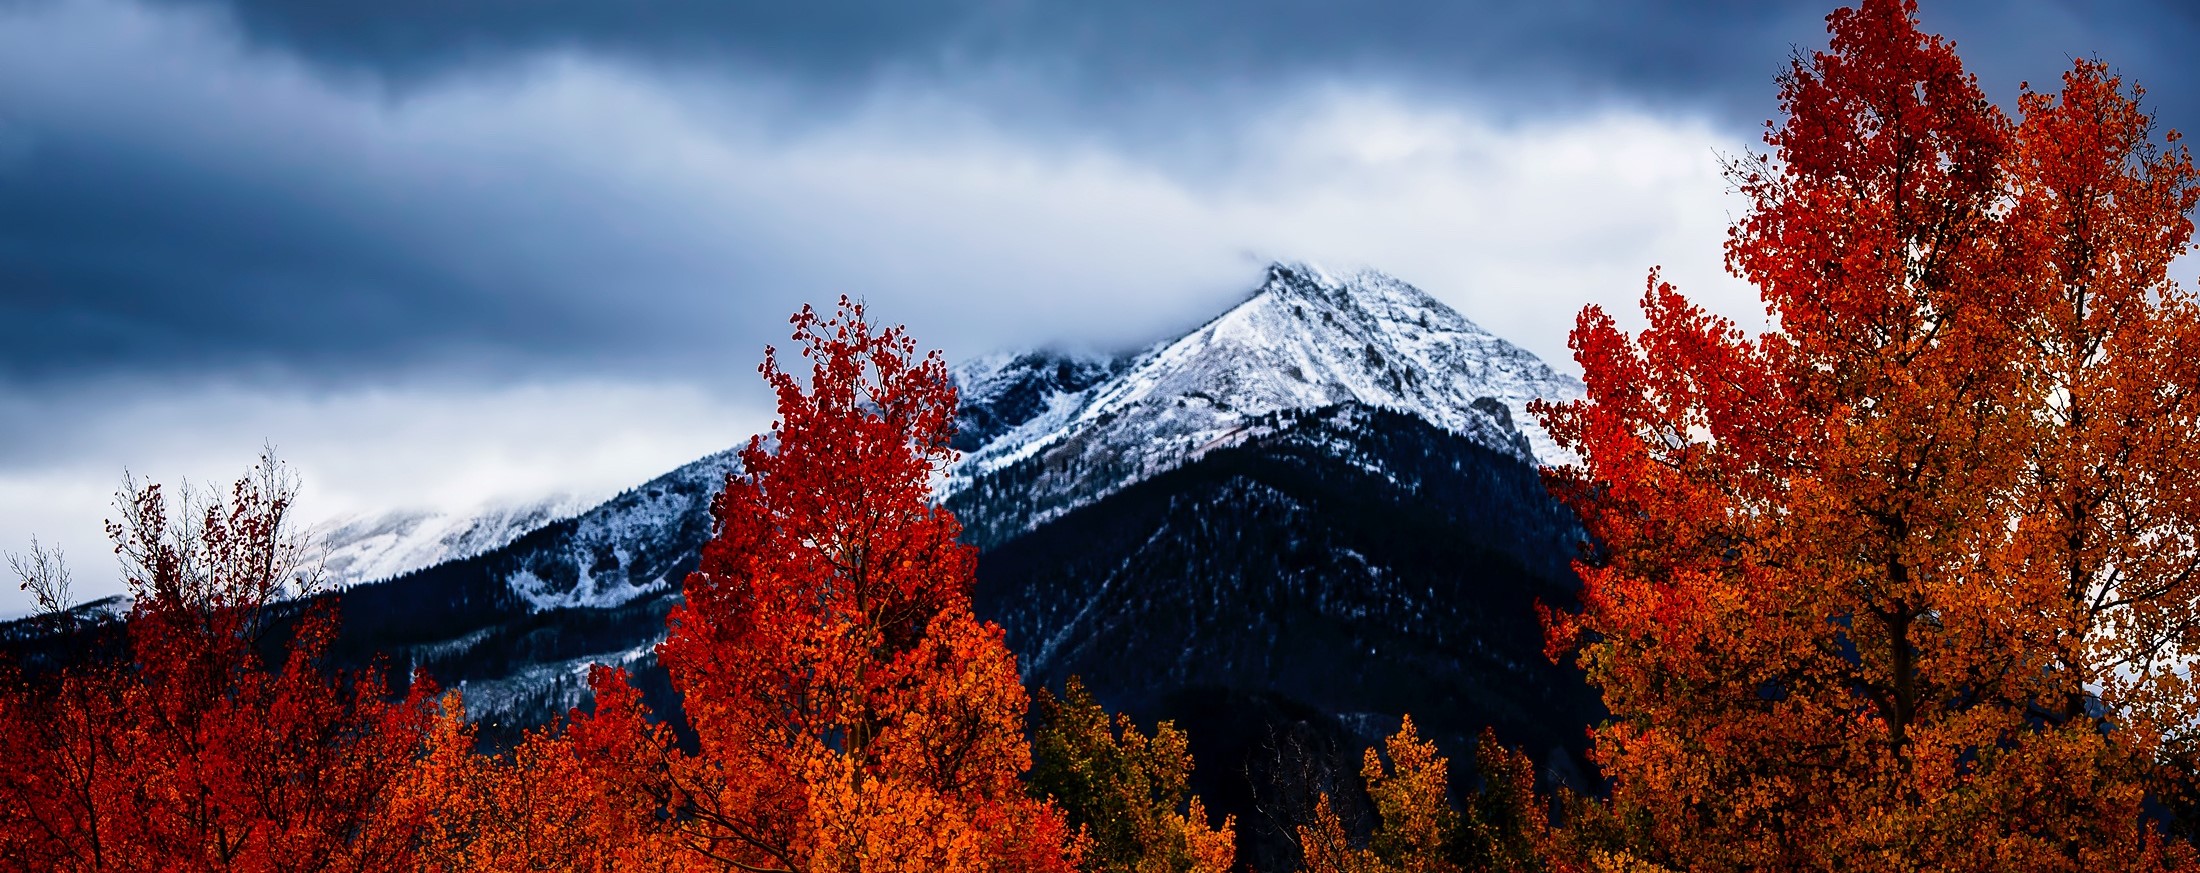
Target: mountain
x: 516, y: 628
x: 1283, y: 529
x: 1001, y: 392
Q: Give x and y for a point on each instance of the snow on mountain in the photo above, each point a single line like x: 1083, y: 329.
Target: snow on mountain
x: 364, y: 548
x: 999, y: 392
x: 1305, y: 339
x: 638, y: 543
x: 1290, y: 481
x: 1074, y: 427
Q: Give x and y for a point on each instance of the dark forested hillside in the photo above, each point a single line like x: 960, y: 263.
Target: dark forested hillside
x: 1288, y: 599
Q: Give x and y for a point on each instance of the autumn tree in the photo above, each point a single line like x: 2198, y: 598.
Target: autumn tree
x: 849, y: 713
x: 196, y: 749
x: 1907, y: 580
x: 586, y: 798
x: 1413, y: 805
x: 1127, y: 791
x: 1503, y: 827
x: 1506, y: 826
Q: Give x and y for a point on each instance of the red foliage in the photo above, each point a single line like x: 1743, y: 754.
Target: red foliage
x: 851, y: 714
x: 1897, y: 584
x: 192, y: 753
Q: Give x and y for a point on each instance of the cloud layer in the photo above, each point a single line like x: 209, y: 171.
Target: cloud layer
x: 221, y: 209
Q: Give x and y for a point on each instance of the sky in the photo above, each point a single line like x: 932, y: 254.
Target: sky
x: 439, y: 253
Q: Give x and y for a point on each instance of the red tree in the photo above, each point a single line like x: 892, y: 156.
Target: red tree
x: 192, y: 752
x: 1905, y: 582
x: 851, y: 713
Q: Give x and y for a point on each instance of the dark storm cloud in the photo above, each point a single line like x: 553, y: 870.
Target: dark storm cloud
x: 108, y: 250
x: 1714, y: 54
x: 275, y: 211
x: 1088, y: 54
x: 170, y: 207
x: 129, y: 260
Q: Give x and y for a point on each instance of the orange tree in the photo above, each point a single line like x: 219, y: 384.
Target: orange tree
x: 586, y: 799
x: 849, y: 713
x: 1418, y: 831
x: 191, y: 751
x: 1907, y: 581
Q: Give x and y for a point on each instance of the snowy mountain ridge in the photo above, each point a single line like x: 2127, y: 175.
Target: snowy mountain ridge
x: 1337, y: 455
x: 632, y: 545
x: 1305, y: 339
x: 1065, y: 428
x: 366, y: 547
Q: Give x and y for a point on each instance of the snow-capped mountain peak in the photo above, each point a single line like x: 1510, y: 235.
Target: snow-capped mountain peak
x: 1001, y: 391
x: 1304, y: 339
x: 1307, y: 338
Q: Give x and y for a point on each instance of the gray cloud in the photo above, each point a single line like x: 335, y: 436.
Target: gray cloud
x: 324, y: 190
x: 1100, y: 56
x: 1096, y: 65
x: 198, y: 207
x: 210, y: 208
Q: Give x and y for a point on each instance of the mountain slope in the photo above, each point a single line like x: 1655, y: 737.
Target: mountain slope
x: 1343, y: 568
x: 999, y: 393
x: 365, y: 548
x: 1074, y: 426
x: 516, y: 628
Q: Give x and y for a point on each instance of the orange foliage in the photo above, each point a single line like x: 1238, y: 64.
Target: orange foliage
x: 850, y: 713
x: 190, y: 753
x: 572, y: 801
x: 1411, y: 799
x: 1128, y: 793
x: 1907, y: 581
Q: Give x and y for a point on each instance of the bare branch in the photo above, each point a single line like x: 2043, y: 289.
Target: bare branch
x: 45, y: 575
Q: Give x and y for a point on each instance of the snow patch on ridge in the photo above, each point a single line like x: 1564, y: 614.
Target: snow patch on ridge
x: 365, y: 548
x: 1084, y: 425
x: 625, y: 548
